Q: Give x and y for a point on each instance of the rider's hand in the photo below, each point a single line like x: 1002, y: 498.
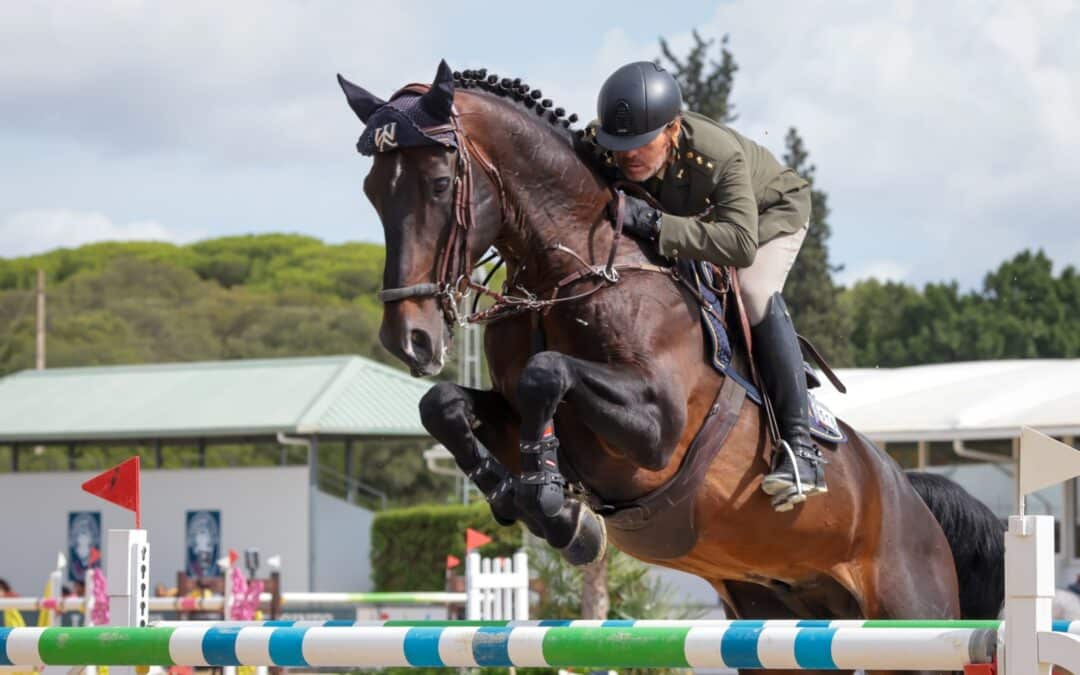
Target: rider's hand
x: 640, y: 219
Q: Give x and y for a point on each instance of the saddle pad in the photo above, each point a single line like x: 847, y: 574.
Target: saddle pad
x: 823, y: 422
x: 718, y: 350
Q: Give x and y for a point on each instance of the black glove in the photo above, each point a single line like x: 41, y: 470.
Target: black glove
x: 640, y: 219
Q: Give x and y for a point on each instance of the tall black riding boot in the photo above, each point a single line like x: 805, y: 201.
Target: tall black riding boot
x: 798, y: 467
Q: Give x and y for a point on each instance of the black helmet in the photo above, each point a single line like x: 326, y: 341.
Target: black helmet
x: 634, y: 104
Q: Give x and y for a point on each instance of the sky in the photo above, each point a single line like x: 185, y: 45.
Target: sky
x: 945, y: 133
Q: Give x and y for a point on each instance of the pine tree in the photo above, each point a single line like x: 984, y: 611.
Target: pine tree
x: 706, y: 93
x: 810, y: 292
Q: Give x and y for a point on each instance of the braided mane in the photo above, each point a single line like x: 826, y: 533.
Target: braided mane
x: 520, y: 93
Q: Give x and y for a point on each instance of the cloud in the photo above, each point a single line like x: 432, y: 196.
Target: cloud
x: 39, y: 230
x: 882, y: 270
x: 247, y: 82
x: 944, y: 133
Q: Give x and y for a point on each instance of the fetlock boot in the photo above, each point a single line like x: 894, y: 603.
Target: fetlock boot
x: 569, y: 525
x: 798, y: 466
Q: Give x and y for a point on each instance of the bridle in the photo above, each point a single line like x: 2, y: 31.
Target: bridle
x: 453, y: 273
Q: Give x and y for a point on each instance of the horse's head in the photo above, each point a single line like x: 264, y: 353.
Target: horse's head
x: 420, y: 185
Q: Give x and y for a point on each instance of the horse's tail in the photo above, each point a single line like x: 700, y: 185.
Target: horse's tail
x: 977, y: 539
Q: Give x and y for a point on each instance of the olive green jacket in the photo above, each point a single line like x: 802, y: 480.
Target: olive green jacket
x: 723, y: 195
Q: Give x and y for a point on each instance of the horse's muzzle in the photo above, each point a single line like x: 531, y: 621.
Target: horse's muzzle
x: 421, y: 348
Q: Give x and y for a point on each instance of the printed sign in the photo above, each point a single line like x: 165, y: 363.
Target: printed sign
x: 203, y: 543
x: 84, y: 537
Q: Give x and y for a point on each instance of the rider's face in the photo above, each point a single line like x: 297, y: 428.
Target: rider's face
x: 641, y: 164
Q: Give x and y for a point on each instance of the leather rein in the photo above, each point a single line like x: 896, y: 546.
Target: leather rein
x: 454, y: 269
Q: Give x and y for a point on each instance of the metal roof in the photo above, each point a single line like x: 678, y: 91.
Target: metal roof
x: 327, y: 395
x: 960, y: 401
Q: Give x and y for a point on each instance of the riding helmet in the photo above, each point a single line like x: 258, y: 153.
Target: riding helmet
x: 636, y: 102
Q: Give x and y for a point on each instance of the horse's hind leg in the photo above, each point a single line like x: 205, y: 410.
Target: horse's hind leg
x: 470, y: 422
x: 743, y: 600
x: 624, y: 407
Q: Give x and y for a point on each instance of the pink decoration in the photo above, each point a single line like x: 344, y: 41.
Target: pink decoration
x: 99, y: 615
x: 245, y: 597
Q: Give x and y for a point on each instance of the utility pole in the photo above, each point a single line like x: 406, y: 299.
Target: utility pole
x: 40, y: 352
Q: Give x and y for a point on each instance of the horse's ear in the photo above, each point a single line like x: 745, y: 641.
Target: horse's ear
x: 439, y: 99
x: 360, y: 100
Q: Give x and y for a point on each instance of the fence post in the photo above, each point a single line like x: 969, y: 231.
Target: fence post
x: 1029, y: 593
x: 521, y: 591
x: 128, y: 577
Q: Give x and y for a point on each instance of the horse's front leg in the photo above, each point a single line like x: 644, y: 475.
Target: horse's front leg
x: 477, y: 427
x: 628, y: 409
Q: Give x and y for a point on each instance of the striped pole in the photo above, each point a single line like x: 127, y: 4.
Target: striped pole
x: 984, y: 624
x: 525, y: 646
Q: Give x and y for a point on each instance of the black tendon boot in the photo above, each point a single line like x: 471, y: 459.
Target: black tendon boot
x: 798, y: 468
x: 570, y: 526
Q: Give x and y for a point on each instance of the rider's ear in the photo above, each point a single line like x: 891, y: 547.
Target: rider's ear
x: 360, y: 100
x: 439, y: 100
x: 674, y: 127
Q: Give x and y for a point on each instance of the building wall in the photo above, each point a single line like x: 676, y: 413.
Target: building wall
x: 342, y: 545
x: 265, y: 508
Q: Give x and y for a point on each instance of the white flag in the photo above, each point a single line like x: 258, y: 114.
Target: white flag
x: 1044, y: 461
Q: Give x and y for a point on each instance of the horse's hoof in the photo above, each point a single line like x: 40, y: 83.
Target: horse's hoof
x: 503, y: 509
x: 589, y: 540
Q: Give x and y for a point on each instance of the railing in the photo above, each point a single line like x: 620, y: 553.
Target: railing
x: 350, y: 489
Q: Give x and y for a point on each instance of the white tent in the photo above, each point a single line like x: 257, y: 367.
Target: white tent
x: 960, y: 401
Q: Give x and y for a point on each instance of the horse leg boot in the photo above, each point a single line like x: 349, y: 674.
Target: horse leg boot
x: 798, y: 467
x: 568, y: 524
x: 454, y: 416
x: 637, y: 412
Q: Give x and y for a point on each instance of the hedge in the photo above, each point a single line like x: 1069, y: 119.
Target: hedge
x: 409, y: 546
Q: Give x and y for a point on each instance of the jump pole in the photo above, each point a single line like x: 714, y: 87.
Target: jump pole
x: 529, y: 646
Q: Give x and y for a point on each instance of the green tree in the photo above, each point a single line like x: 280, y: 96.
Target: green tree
x: 810, y: 292
x: 706, y: 83
x: 237, y: 297
x: 1021, y: 311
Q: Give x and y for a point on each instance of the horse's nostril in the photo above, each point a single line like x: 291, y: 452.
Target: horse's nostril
x: 421, y: 345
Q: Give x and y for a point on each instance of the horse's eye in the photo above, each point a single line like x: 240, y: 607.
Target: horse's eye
x: 441, y: 184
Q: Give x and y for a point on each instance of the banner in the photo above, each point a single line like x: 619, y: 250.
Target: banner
x: 203, y: 543
x: 83, y: 539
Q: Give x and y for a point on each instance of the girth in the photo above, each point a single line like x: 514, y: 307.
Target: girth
x: 661, y: 524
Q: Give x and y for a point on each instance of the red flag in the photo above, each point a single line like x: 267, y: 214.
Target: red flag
x: 95, y: 555
x: 475, y: 539
x: 233, y: 557
x: 452, y: 562
x: 119, y: 485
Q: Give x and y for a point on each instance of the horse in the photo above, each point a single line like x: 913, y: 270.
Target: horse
x: 600, y: 393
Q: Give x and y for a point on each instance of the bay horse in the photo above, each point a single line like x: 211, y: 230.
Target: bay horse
x: 600, y: 389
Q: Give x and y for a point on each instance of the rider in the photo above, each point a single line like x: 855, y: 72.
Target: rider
x: 726, y: 200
